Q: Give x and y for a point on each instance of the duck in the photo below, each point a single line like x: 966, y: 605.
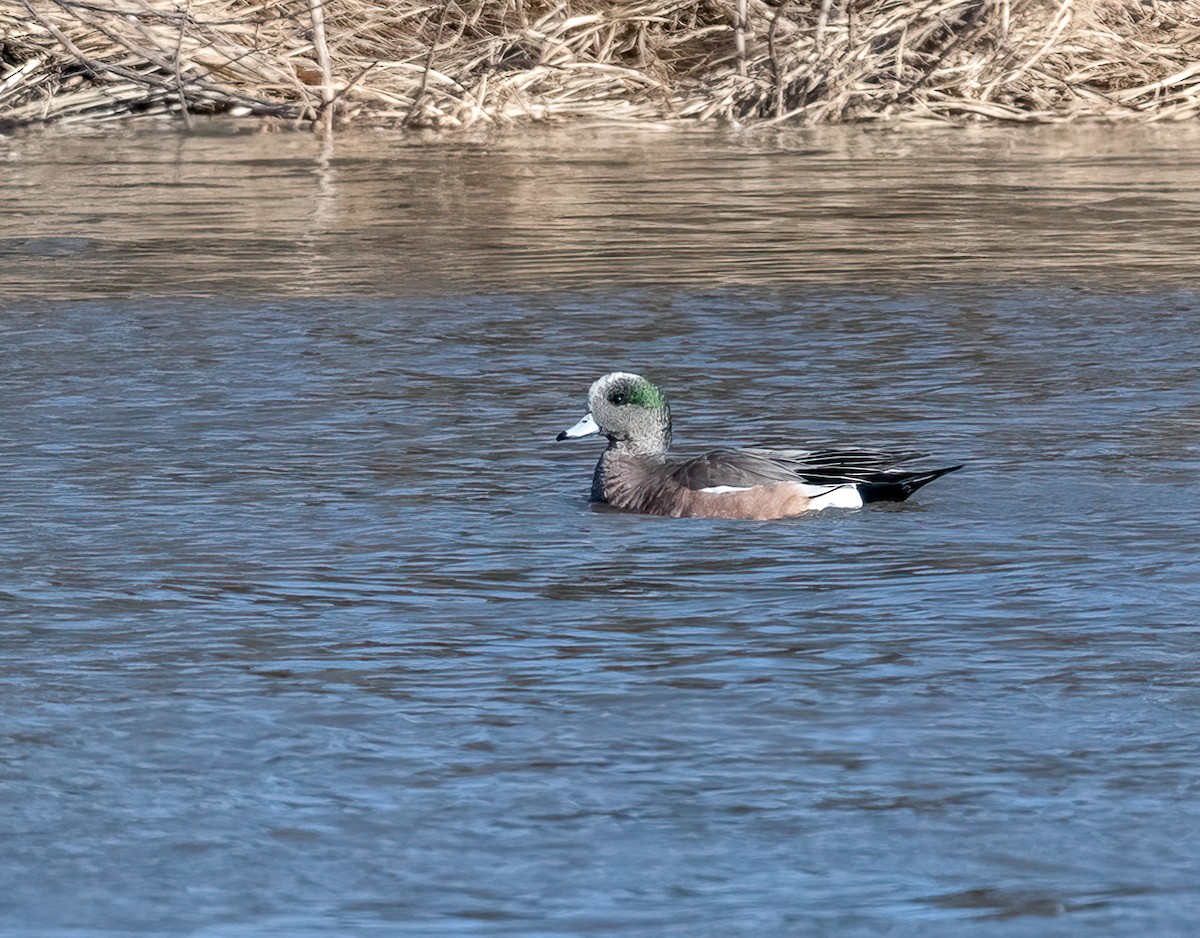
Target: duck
x: 634, y: 472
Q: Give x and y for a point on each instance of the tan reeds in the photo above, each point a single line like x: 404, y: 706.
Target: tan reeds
x: 454, y: 63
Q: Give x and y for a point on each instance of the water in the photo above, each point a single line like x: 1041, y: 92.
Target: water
x: 308, y: 628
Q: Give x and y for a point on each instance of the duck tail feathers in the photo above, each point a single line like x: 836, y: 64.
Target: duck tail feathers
x: 897, y: 486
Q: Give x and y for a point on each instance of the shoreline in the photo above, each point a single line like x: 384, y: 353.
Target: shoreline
x: 449, y: 66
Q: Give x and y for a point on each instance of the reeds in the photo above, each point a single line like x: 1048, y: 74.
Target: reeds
x: 457, y: 63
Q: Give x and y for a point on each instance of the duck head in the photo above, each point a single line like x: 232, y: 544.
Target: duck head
x: 630, y: 411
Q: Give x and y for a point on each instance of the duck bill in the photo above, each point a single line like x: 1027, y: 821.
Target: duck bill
x: 585, y: 427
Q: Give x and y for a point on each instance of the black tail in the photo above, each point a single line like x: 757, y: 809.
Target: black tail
x: 895, y: 487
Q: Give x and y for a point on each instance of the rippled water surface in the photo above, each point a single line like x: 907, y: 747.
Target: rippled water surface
x: 308, y: 627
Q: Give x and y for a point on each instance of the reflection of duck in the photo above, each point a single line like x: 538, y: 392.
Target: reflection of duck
x: 634, y: 471
x: 47, y: 247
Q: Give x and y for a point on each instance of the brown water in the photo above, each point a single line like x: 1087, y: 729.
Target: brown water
x: 308, y: 628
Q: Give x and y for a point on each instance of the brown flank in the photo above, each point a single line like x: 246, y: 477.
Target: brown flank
x: 637, y: 484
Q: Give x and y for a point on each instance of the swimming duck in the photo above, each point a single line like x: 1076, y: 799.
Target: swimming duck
x: 634, y: 472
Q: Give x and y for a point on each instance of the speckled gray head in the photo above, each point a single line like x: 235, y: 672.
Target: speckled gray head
x: 630, y: 411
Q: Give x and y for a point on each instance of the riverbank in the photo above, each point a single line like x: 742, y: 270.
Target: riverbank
x: 449, y: 65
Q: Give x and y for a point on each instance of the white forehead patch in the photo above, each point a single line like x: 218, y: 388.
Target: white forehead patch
x: 611, y: 378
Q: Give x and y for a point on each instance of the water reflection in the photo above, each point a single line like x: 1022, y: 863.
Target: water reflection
x: 234, y: 212
x: 305, y: 614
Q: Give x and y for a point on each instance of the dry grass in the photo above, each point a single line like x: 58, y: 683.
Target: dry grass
x: 456, y: 63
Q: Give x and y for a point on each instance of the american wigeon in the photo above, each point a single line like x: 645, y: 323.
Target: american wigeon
x: 761, y: 484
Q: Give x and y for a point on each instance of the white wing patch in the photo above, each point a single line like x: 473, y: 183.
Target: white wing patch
x: 840, y: 496
x: 725, y: 489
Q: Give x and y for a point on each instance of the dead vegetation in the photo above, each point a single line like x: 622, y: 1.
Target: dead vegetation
x: 457, y: 63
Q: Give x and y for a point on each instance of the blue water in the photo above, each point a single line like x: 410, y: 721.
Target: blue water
x: 309, y: 629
